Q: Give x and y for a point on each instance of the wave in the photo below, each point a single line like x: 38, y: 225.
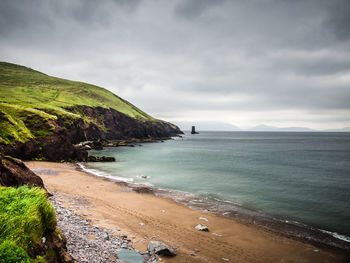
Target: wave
x: 104, y: 174
x: 336, y: 235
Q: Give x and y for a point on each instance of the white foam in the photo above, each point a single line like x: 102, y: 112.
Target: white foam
x: 336, y: 235
x: 105, y: 175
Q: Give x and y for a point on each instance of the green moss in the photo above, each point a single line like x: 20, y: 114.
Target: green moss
x: 25, y: 215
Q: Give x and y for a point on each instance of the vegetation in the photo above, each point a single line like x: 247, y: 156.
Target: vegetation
x: 25, y: 218
x: 11, y: 253
x: 30, y: 99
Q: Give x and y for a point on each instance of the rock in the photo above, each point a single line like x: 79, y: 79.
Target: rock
x: 143, y: 190
x: 92, y: 158
x: 217, y: 235
x: 204, y: 219
x: 14, y: 172
x: 142, y: 224
x: 202, y: 228
x: 225, y: 259
x: 160, y: 249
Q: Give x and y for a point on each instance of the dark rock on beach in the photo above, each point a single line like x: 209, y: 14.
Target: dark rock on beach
x: 14, y: 172
x: 100, y: 159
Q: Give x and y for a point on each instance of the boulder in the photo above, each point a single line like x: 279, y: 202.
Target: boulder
x: 201, y: 227
x: 160, y: 249
x: 13, y: 172
x: 92, y: 158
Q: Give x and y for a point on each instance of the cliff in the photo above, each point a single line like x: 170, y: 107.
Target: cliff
x: 42, y: 117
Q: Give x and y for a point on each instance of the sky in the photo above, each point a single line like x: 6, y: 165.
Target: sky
x: 245, y: 63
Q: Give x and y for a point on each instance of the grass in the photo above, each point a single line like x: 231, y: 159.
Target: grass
x: 25, y: 216
x: 29, y: 98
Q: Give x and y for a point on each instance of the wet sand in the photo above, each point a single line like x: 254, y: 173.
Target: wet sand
x: 144, y: 217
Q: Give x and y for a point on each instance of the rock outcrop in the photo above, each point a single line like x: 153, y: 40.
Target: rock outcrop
x: 107, y: 124
x: 14, y: 172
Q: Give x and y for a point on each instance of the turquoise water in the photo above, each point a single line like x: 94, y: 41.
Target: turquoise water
x: 294, y: 176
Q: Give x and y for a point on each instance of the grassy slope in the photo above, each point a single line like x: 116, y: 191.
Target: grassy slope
x: 28, y: 97
x: 26, y: 217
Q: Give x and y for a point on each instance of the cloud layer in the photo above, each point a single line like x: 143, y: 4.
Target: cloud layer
x: 284, y: 63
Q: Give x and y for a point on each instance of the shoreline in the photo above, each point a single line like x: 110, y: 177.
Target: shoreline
x: 144, y: 217
x: 288, y: 228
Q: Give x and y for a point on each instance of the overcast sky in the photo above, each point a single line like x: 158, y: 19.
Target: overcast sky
x: 282, y: 63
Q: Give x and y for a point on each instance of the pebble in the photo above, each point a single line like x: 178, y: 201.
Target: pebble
x: 104, y: 248
x: 217, y: 235
x: 204, y: 219
x: 225, y: 259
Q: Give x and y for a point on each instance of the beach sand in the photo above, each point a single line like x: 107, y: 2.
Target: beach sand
x: 144, y: 217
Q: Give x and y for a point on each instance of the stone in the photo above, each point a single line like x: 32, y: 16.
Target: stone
x: 92, y: 158
x: 204, y: 219
x: 160, y: 249
x: 201, y: 227
x: 13, y: 172
x: 217, y: 235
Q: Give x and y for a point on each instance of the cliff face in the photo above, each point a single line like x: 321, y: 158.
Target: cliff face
x: 105, y: 124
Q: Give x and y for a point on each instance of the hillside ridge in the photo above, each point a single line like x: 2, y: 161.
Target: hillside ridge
x: 38, y: 110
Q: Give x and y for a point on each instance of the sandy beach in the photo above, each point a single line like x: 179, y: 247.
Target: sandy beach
x: 144, y: 217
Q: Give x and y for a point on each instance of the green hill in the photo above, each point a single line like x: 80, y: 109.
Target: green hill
x: 44, y: 117
x: 27, y: 96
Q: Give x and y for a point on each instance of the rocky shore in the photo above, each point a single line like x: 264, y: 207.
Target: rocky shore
x: 86, y: 242
x: 98, y: 227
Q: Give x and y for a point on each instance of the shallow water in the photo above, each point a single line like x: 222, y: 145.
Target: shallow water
x: 293, y: 176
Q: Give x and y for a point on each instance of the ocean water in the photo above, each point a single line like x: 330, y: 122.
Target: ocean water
x: 299, y: 178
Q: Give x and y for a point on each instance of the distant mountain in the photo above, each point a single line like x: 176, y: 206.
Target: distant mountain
x: 207, y: 126
x: 345, y: 129
x: 263, y: 127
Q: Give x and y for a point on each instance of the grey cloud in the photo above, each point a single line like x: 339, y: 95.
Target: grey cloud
x: 193, y: 8
x: 339, y: 19
x: 173, y: 56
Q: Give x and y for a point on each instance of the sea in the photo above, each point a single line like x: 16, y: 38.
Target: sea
x: 294, y: 183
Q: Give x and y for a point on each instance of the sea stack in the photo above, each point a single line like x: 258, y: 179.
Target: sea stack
x: 194, y: 130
